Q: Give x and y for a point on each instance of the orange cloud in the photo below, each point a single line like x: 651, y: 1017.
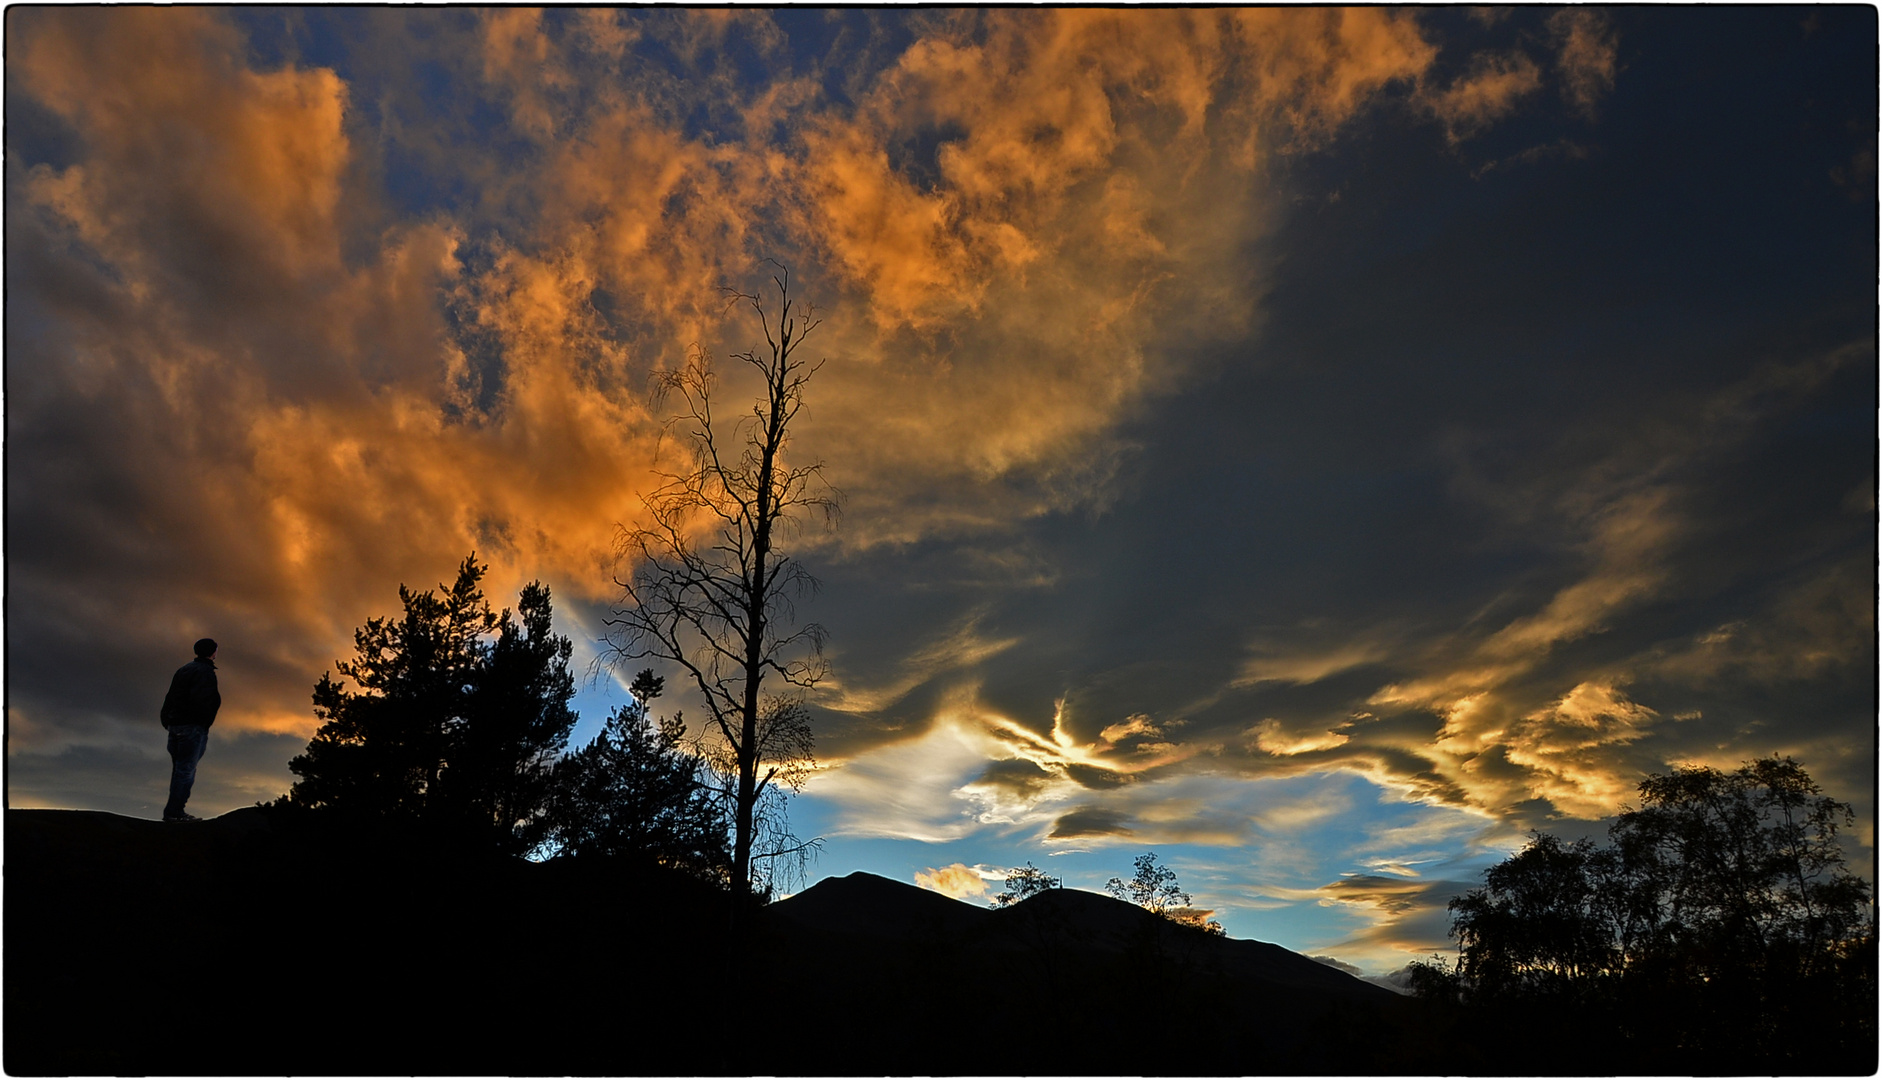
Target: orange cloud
x: 1566, y: 745
x: 517, y: 53
x: 1586, y: 59
x: 232, y: 174
x: 1016, y: 224
x: 313, y: 419
x: 1489, y: 92
x: 958, y: 881
x: 1403, y: 918
x: 1271, y: 737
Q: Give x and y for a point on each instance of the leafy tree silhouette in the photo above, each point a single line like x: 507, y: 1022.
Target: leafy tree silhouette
x: 1023, y: 882
x: 1720, y: 920
x: 1737, y: 862
x: 449, y: 726
x: 1541, y: 921
x: 712, y: 587
x: 1154, y: 888
x: 636, y: 791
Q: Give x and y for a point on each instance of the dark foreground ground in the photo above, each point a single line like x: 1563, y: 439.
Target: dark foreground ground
x: 260, y: 945
x: 263, y: 943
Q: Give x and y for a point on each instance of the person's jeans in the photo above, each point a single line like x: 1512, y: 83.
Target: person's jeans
x: 187, y: 743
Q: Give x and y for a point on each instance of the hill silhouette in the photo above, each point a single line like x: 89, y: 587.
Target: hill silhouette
x: 1071, y: 982
x: 864, y: 905
x: 264, y: 942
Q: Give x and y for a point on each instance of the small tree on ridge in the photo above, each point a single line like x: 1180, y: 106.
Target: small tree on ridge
x: 1154, y: 889
x: 1024, y: 883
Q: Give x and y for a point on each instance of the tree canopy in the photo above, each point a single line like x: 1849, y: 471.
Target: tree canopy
x: 1154, y: 888
x: 1719, y: 919
x: 454, y: 718
x: 637, y: 791
x: 1022, y: 883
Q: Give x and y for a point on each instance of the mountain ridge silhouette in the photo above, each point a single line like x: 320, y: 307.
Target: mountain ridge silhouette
x: 265, y: 942
x: 868, y: 904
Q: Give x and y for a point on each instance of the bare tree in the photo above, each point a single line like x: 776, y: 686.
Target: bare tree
x: 712, y: 588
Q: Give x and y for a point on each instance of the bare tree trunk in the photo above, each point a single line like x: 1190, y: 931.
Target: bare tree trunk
x: 722, y: 610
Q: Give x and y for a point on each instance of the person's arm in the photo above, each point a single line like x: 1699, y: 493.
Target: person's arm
x: 207, y: 699
x: 177, y: 701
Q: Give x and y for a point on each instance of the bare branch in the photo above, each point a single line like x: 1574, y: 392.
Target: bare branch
x: 709, y: 585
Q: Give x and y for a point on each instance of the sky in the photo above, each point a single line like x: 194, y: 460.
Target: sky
x: 1317, y: 446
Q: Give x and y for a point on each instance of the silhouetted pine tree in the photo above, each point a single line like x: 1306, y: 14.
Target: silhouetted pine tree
x: 517, y: 721
x: 448, y: 726
x: 636, y: 791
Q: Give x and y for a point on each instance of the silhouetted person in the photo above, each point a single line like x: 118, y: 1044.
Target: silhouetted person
x: 188, y: 710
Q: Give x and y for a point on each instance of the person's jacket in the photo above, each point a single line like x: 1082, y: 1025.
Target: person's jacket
x: 193, y: 697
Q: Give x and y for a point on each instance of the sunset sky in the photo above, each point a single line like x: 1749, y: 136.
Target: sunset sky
x: 1317, y: 446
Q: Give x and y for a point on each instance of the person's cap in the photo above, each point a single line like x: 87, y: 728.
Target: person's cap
x: 206, y: 647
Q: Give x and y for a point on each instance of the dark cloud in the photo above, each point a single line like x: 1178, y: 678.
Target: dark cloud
x: 1394, y: 894
x: 1410, y: 915
x: 1019, y: 777
x: 1089, y: 821
x: 1090, y: 776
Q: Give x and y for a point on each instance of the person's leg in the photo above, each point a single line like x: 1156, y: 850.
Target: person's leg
x: 187, y: 744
